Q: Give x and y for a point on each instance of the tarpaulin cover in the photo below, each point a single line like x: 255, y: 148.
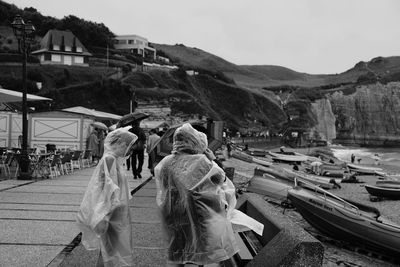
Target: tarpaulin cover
x: 196, y: 202
x: 103, y: 216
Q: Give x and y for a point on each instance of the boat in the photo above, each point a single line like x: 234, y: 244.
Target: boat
x: 383, y: 192
x: 346, y: 220
x: 388, y: 183
x: 256, y: 152
x: 285, y: 174
x: 364, y: 169
x: 262, y: 162
x: 287, y: 158
x: 269, y: 186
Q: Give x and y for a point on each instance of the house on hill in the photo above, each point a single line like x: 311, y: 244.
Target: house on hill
x: 62, y: 48
x: 134, y: 44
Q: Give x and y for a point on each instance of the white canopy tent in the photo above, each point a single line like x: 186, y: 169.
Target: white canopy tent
x: 9, y: 96
x: 95, y: 113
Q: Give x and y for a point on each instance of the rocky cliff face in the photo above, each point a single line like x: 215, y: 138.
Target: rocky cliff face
x: 370, y: 116
x: 325, y: 128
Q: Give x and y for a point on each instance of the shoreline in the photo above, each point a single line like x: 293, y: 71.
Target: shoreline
x: 333, y: 255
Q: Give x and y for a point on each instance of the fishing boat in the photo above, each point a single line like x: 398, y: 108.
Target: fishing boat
x: 364, y: 169
x: 269, y: 186
x: 287, y: 158
x: 346, y: 220
x: 383, y: 192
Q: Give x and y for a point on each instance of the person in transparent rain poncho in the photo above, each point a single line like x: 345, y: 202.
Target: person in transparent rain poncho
x: 197, y: 203
x: 103, y: 216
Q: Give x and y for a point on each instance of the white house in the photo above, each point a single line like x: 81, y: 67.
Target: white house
x: 134, y: 44
x: 62, y: 48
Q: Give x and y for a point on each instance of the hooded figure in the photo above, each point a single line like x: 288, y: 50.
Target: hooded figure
x: 195, y: 200
x: 103, y: 216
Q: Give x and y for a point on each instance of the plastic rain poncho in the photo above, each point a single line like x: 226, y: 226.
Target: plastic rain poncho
x: 196, y: 202
x: 104, y: 217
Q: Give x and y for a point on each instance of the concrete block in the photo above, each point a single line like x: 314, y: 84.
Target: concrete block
x: 284, y: 242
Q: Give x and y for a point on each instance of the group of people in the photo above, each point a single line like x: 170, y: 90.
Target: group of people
x: 195, y: 198
x: 136, y: 158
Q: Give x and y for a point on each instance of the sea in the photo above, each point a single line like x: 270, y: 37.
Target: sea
x: 386, y: 158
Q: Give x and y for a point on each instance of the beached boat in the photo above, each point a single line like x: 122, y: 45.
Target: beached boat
x: 287, y: 158
x: 383, y: 192
x: 285, y: 174
x: 388, y: 183
x: 269, y: 186
x: 346, y: 220
x: 364, y: 169
x: 262, y: 162
x: 256, y: 152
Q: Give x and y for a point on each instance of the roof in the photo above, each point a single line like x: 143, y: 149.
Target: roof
x: 7, y: 96
x: 56, y: 37
x: 93, y: 112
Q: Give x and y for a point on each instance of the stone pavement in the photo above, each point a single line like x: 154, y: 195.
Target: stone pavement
x: 37, y: 220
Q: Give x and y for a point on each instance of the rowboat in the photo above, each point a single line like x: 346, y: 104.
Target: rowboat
x: 384, y: 192
x: 346, y: 220
x: 268, y: 185
x: 363, y: 169
x: 288, y: 158
x: 262, y: 162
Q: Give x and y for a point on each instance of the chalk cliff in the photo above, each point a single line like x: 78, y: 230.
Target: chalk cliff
x: 325, y: 128
x: 370, y: 116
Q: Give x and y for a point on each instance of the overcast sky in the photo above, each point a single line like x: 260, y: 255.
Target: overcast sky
x: 313, y: 36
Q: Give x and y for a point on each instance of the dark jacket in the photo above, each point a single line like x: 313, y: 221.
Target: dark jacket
x: 140, y: 143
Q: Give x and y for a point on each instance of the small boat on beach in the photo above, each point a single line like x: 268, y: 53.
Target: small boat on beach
x: 288, y: 158
x: 269, y: 186
x: 364, y: 169
x: 388, y: 183
x: 285, y: 174
x: 383, y: 192
x: 346, y: 220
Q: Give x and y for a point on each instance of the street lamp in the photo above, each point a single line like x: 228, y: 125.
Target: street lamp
x: 24, y: 33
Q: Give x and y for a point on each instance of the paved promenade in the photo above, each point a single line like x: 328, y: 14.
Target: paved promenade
x: 37, y: 222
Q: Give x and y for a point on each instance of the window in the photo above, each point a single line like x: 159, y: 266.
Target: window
x: 131, y: 41
x: 56, y: 47
x: 47, y: 57
x: 68, y: 48
x: 78, y: 60
x: 56, y: 58
x: 78, y: 49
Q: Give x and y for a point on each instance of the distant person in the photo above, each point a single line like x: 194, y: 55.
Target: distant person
x: 376, y: 159
x: 359, y: 160
x: 93, y: 144
x: 101, y: 136
x: 151, y: 149
x: 137, y: 155
x: 229, y: 147
x: 104, y: 215
x: 352, y: 158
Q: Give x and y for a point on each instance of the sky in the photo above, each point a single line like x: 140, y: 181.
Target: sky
x: 312, y: 36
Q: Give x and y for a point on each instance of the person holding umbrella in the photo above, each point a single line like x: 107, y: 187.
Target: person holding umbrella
x: 93, y: 144
x: 137, y: 155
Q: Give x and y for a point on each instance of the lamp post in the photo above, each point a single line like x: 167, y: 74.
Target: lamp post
x: 24, y: 33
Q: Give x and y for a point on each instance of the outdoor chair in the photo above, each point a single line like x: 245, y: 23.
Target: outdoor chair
x: 66, y: 165
x: 86, y: 159
x: 5, y: 163
x: 54, y: 166
x: 76, y: 159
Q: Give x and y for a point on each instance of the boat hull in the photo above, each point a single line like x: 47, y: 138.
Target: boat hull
x: 345, y: 224
x: 269, y: 186
x: 385, y: 192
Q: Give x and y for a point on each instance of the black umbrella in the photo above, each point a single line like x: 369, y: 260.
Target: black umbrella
x: 128, y: 119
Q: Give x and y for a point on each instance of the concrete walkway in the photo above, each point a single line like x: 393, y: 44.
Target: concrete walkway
x: 37, y: 219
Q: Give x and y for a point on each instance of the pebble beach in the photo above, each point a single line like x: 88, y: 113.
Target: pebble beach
x: 334, y: 255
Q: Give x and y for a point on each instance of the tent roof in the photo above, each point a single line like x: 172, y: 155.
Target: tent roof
x: 7, y: 96
x: 92, y: 112
x: 152, y: 124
